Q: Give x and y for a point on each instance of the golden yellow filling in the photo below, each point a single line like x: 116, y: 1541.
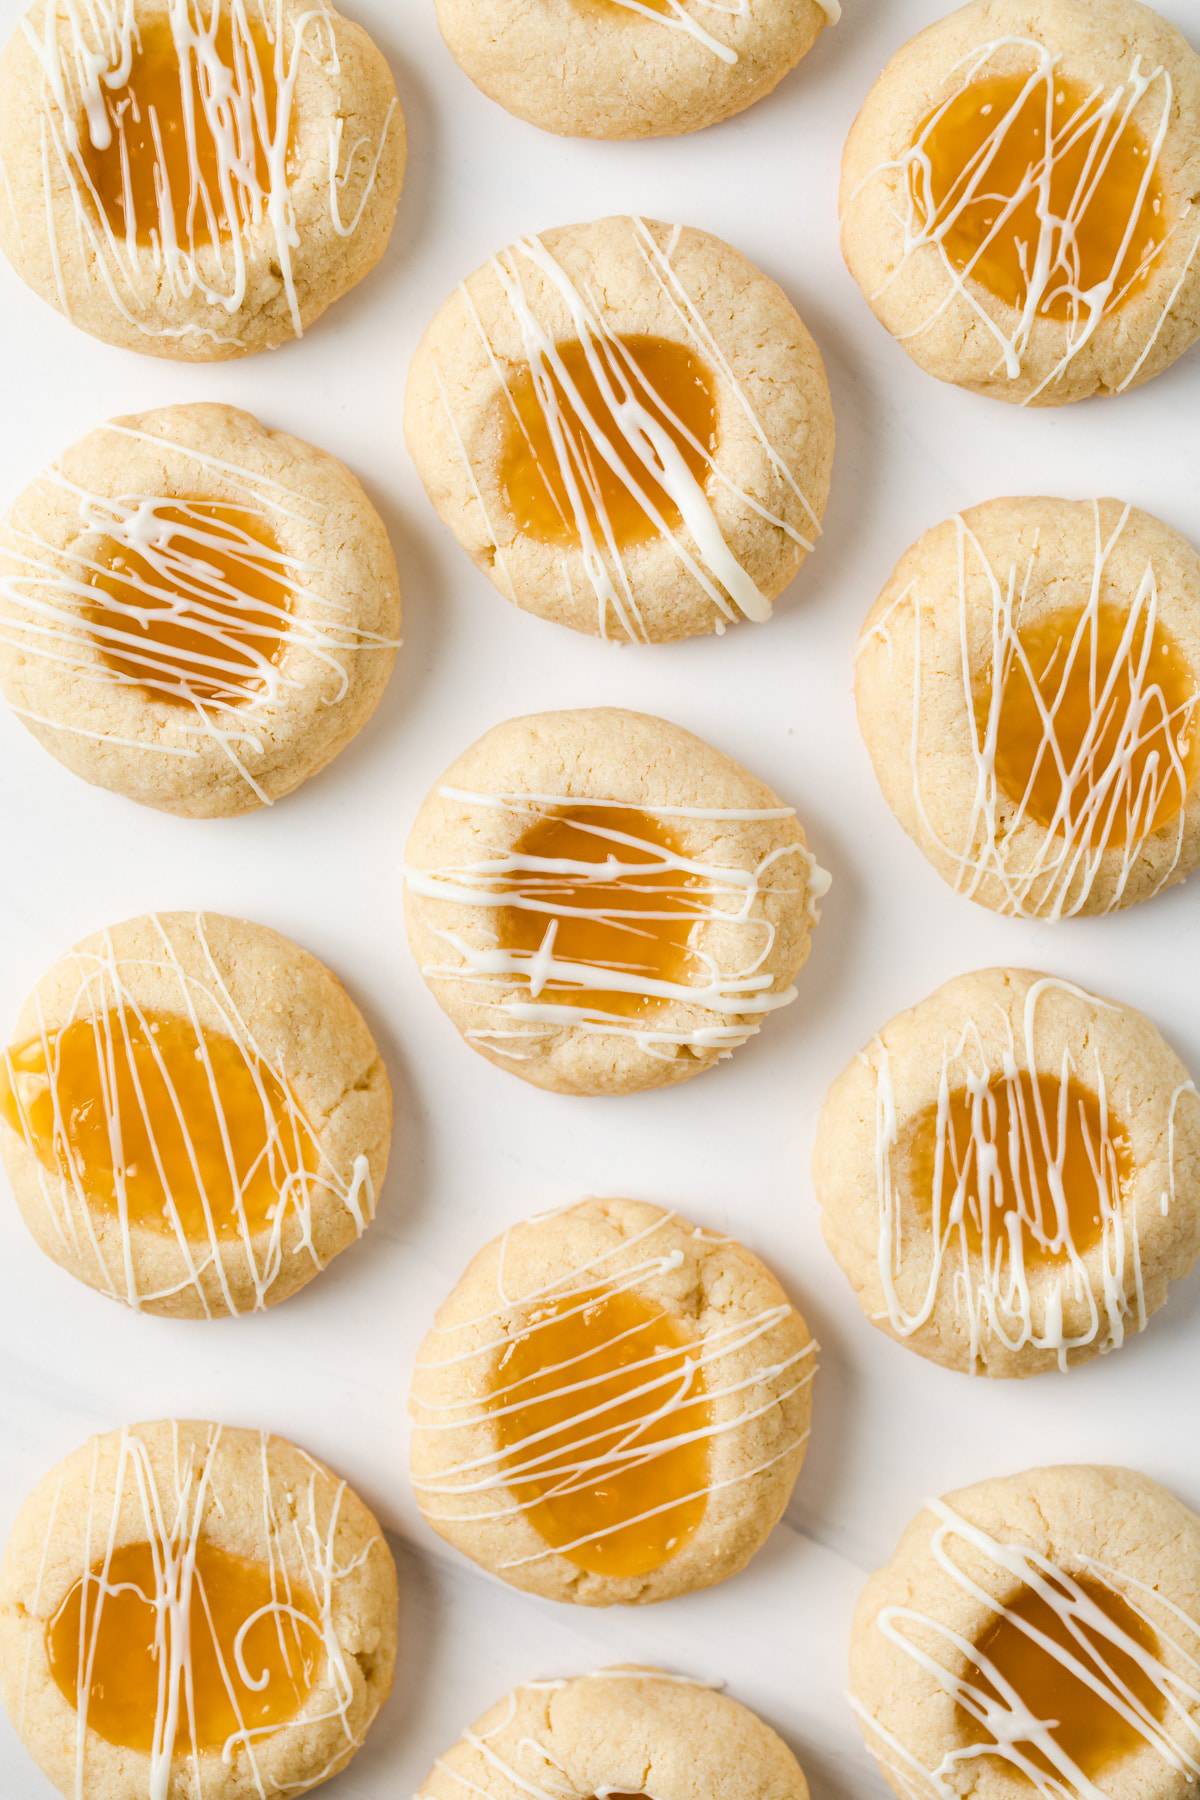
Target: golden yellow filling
x: 639, y: 922
x: 1027, y: 1154
x: 182, y: 1131
x: 158, y: 1660
x: 212, y: 605
x: 600, y: 1407
x: 1032, y: 187
x: 561, y: 441
x: 1098, y: 730
x: 1084, y: 1725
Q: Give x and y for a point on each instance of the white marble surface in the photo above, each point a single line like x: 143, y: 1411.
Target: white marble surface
x: 476, y: 1149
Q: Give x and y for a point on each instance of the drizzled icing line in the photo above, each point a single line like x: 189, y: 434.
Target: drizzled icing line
x: 85, y: 53
x: 677, y: 17
x: 739, y: 998
x: 487, y: 1485
x: 228, y: 684
x: 1051, y: 262
x: 1102, y: 793
x: 172, y: 1497
x: 1001, y: 1301
x: 647, y: 454
x: 1013, y: 1734
x: 311, y: 1178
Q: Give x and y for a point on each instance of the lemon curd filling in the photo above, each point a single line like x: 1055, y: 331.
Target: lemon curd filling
x: 195, y: 619
x: 1027, y: 1154
x: 558, y: 453
x: 600, y: 1408
x: 160, y: 1655
x: 638, y: 921
x: 1041, y: 191
x: 176, y: 1129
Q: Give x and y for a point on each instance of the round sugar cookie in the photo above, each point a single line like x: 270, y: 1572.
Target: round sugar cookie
x: 194, y: 1609
x: 199, y: 180
x: 603, y: 903
x: 196, y: 612
x: 613, y: 1734
x: 194, y: 1116
x: 1036, y: 1635
x: 1021, y: 198
x: 627, y: 427
x: 1009, y: 1174
x: 612, y: 1406
x: 1028, y: 686
x: 630, y: 68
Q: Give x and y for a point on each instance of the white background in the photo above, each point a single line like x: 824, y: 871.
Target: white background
x: 474, y: 1148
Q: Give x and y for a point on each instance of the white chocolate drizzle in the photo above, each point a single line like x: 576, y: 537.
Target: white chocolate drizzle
x: 1014, y: 1733
x: 299, y: 1529
x: 999, y: 1297
x: 1107, y: 807
x: 511, y: 981
x: 677, y: 17
x: 227, y: 685
x: 307, y: 1175
x: 648, y: 453
x: 1051, y: 262
x: 492, y: 1485
x: 243, y: 216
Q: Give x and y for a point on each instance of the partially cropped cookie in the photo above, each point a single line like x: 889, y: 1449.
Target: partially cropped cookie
x: 196, y: 180
x: 601, y: 902
x: 628, y: 427
x: 195, y: 611
x: 1036, y: 1635
x: 194, y: 1115
x: 1021, y: 198
x: 614, y: 1734
x: 1009, y: 1174
x: 1028, y: 686
x: 612, y: 1406
x: 630, y: 68
x: 192, y: 1609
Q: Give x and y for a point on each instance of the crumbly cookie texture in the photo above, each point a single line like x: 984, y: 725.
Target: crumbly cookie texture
x: 963, y: 1563
x: 622, y: 1730
x: 1030, y: 1305
x: 754, y: 903
x: 307, y: 153
x: 178, y: 1485
x: 732, y: 530
x: 610, y: 69
x: 948, y: 665
x: 206, y: 505
x: 756, y: 1362
x: 1051, y: 342
x: 292, y: 1021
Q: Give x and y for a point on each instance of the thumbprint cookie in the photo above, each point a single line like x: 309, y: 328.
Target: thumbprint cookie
x: 190, y: 1609
x: 1028, y: 687
x: 196, y: 179
x: 603, y: 903
x: 630, y: 68
x: 612, y: 1406
x: 194, y: 1115
x: 1021, y: 198
x: 1036, y: 1637
x: 614, y: 1735
x: 627, y: 427
x: 195, y: 612
x: 1009, y: 1174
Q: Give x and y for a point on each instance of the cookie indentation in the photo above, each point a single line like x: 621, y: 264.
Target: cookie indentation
x: 1096, y: 723
x: 1042, y: 190
x: 601, y: 1410
x: 174, y: 1129
x: 249, y: 1639
x: 606, y: 438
